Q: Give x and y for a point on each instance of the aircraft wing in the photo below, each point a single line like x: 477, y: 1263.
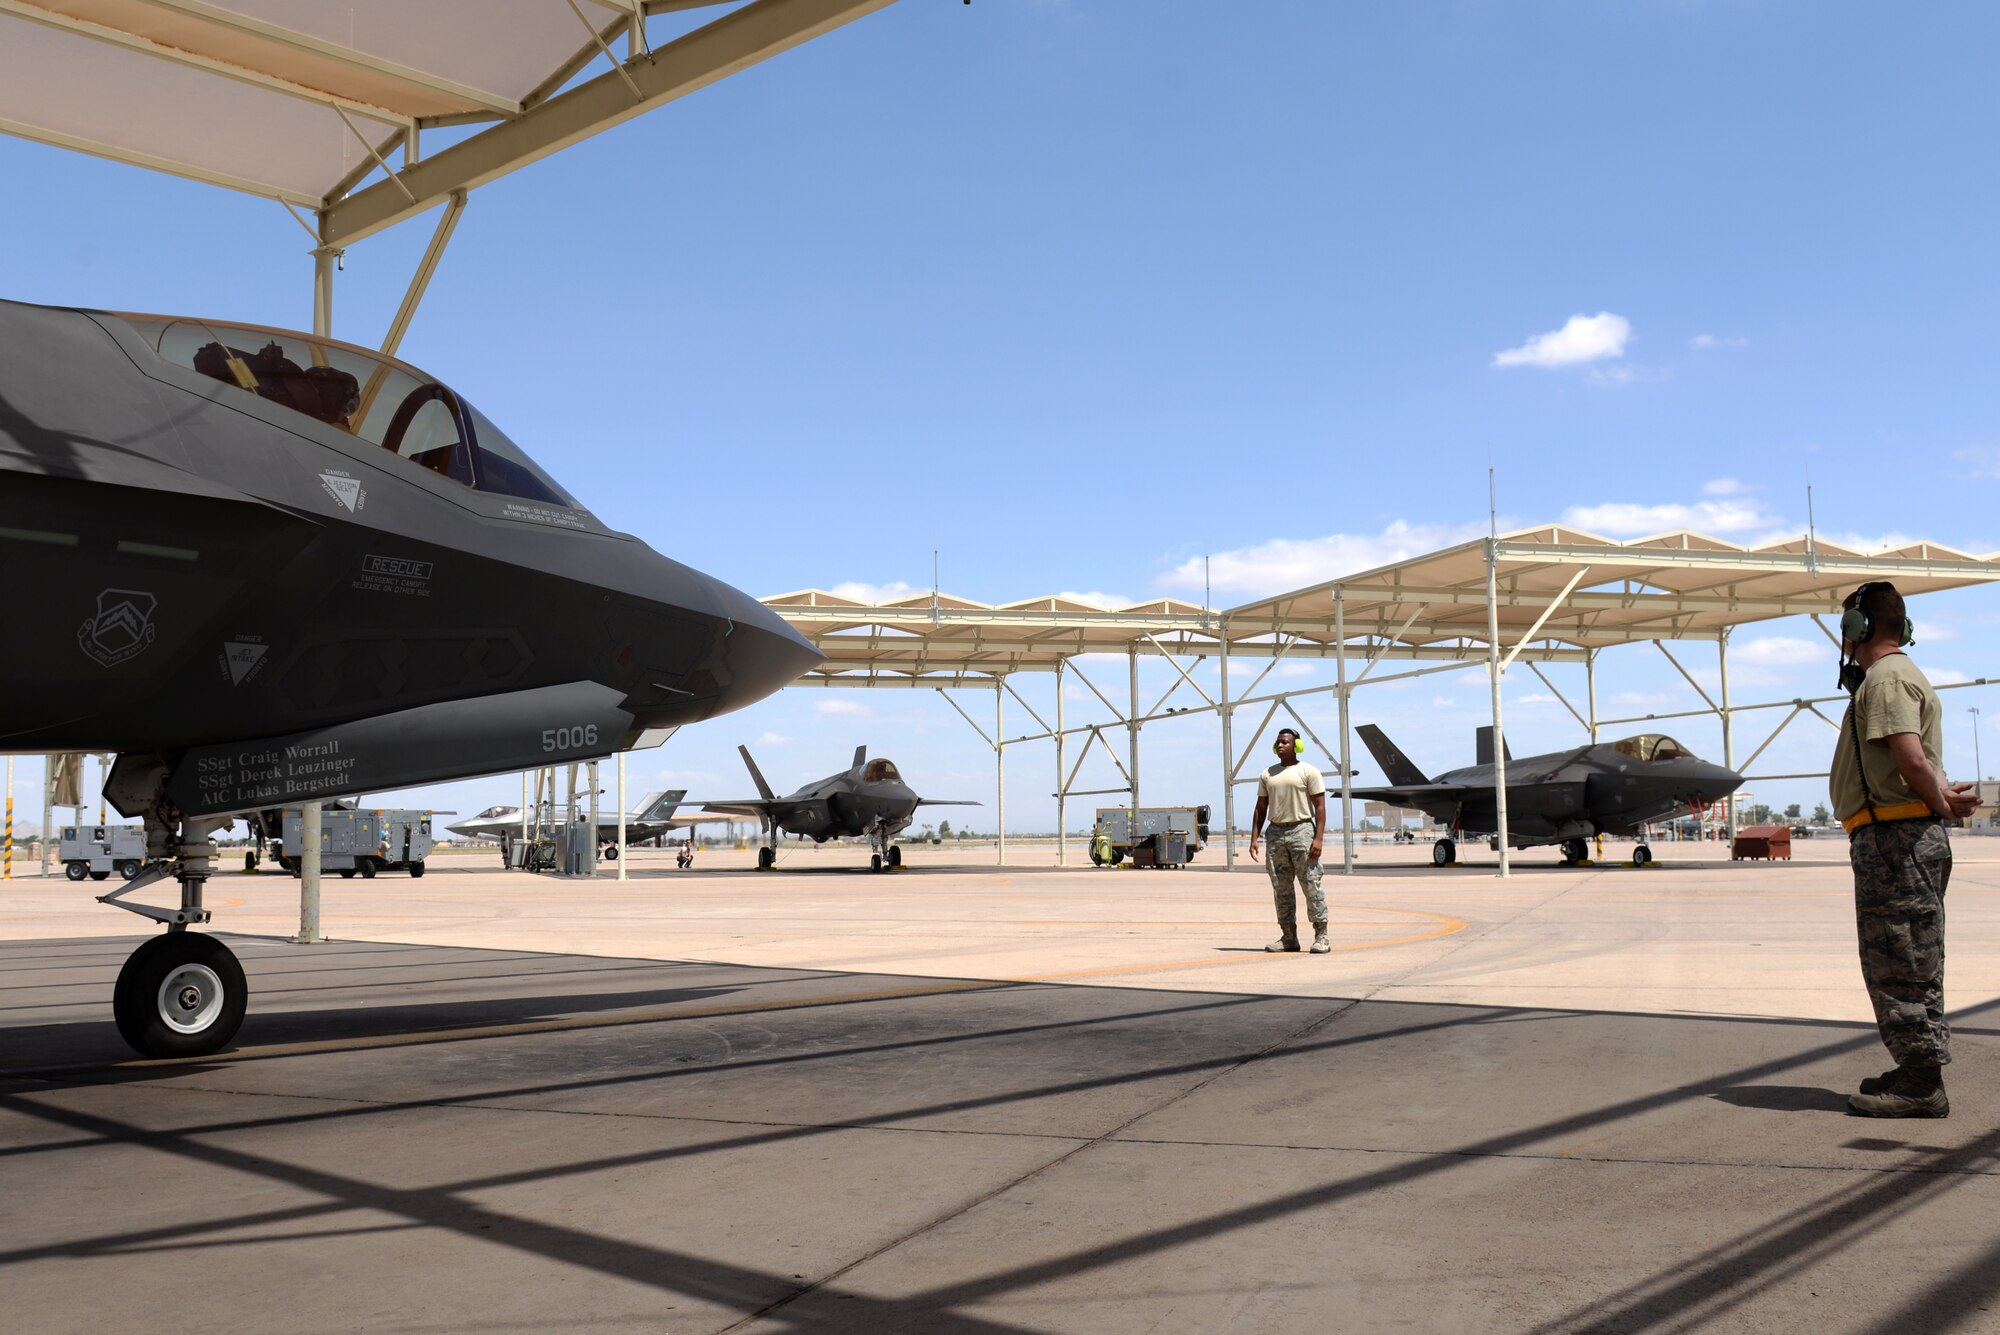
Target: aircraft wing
x: 1416, y: 794
x: 743, y: 806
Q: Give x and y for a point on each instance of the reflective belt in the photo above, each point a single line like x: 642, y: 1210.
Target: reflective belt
x: 1901, y: 811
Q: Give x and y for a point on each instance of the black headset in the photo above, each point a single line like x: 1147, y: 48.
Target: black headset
x: 1857, y: 627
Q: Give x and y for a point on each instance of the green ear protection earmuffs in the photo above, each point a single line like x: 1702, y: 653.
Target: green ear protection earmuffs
x: 1857, y: 627
x: 1298, y: 745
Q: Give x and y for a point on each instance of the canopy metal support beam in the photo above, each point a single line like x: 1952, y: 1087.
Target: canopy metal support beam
x: 236, y: 21
x: 426, y: 269
x: 731, y: 43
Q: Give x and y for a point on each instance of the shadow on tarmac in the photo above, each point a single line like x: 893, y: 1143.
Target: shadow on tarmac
x: 1697, y: 1289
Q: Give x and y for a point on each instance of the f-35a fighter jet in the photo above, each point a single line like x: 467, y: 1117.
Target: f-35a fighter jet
x: 654, y: 817
x: 268, y: 568
x: 869, y: 797
x: 1565, y: 797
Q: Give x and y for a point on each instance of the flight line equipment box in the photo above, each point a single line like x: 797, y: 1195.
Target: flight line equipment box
x: 1190, y: 823
x: 1770, y: 842
x: 98, y: 850
x: 363, y: 841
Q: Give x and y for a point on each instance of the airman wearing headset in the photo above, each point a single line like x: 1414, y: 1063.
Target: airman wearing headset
x: 1890, y: 792
x: 1293, y: 794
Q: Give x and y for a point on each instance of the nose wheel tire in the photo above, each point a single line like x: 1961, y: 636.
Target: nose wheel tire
x: 180, y: 995
x: 766, y: 859
x: 1575, y: 852
x: 874, y: 862
x: 1641, y: 856
x: 1443, y: 853
x: 895, y: 855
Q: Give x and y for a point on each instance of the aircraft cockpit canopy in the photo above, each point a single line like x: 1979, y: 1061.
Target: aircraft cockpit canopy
x: 880, y: 771
x: 1652, y: 746
x: 491, y: 812
x: 371, y: 397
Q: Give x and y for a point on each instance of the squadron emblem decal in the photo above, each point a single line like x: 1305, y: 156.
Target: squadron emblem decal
x: 122, y: 628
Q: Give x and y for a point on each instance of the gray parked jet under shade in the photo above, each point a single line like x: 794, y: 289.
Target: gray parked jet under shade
x: 270, y: 568
x: 867, y: 798
x: 656, y: 816
x: 1564, y: 797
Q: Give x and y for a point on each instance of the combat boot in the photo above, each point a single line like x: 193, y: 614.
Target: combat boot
x: 1289, y: 941
x: 1320, y: 944
x: 1907, y: 1091
x: 1876, y: 1084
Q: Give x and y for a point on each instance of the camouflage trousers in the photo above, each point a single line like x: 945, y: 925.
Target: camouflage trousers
x: 1285, y: 857
x: 1901, y: 869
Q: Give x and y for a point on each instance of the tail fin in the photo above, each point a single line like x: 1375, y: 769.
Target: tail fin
x: 1482, y: 746
x: 1396, y: 766
x: 860, y: 756
x: 756, y: 777
x: 660, y: 806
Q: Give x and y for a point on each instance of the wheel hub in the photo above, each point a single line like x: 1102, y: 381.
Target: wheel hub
x: 190, y: 998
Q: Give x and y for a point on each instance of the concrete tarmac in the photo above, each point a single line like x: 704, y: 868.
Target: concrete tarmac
x: 966, y: 1098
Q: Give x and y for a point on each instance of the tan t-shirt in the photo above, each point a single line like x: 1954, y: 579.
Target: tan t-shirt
x: 1894, y: 697
x: 1290, y: 790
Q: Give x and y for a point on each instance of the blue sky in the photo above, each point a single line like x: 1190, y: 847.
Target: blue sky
x: 1079, y: 291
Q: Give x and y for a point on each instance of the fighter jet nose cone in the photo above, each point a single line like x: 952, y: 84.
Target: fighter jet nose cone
x: 762, y: 652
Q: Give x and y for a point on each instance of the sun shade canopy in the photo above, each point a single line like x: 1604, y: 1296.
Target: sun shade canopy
x: 302, y: 102
x: 1561, y: 595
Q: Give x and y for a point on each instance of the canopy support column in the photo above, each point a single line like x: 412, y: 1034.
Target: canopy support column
x: 1493, y: 669
x: 1228, y: 769
x: 1062, y: 789
x: 1728, y: 732
x: 1000, y: 771
x: 1346, y: 769
x: 1590, y: 687
x: 1132, y: 725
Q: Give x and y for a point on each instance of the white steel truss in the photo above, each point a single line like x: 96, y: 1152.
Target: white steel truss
x: 1529, y: 598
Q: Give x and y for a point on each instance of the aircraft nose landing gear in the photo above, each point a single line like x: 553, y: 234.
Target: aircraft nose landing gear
x: 182, y: 994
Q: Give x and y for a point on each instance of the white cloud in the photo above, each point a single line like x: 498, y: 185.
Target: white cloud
x: 1780, y: 651
x: 1293, y: 563
x: 1709, y: 342
x: 1443, y: 702
x: 1639, y: 699
x: 1984, y: 459
x: 1534, y: 698
x: 1943, y: 676
x: 773, y: 739
x: 1871, y: 542
x: 1930, y: 632
x: 1295, y: 669
x: 1721, y: 486
x: 839, y: 708
x: 1630, y: 519
x: 875, y: 594
x: 1107, y: 601
x: 1625, y: 375
x: 1583, y: 338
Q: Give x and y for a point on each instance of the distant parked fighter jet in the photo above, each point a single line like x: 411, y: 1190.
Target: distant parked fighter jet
x: 654, y: 817
x: 868, y: 798
x: 1561, y: 798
